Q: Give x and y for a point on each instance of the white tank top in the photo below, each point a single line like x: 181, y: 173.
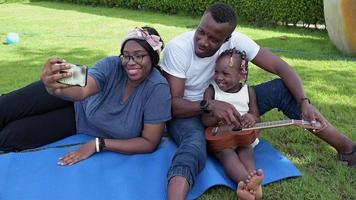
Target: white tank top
x: 239, y: 100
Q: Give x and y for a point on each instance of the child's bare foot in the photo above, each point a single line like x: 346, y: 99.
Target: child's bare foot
x: 243, y: 193
x: 255, y: 179
x: 254, y: 182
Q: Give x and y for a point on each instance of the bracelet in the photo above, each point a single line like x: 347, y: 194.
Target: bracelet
x: 299, y: 103
x: 97, y: 148
x: 304, y: 99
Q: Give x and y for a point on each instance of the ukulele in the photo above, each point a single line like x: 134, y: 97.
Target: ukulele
x: 222, y: 137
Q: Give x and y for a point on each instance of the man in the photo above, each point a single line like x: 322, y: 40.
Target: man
x: 188, y: 62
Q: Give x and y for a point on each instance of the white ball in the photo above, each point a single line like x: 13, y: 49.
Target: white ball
x: 12, y: 38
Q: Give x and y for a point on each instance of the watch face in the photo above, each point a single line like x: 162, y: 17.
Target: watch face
x: 203, y: 103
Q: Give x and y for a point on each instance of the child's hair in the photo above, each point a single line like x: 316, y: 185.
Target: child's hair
x: 241, y: 54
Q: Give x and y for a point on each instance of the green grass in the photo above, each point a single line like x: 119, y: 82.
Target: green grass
x: 85, y: 34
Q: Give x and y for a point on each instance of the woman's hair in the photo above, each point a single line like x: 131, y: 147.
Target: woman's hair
x: 243, y: 67
x: 154, y: 55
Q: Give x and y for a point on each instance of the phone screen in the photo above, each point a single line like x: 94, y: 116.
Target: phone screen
x: 79, y: 75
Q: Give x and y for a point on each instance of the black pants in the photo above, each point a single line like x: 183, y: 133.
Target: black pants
x: 30, y: 117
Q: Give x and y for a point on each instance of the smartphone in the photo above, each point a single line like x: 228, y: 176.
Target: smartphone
x: 79, y: 75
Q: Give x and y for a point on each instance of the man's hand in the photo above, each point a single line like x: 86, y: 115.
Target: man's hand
x: 84, y: 152
x: 225, y: 113
x: 311, y: 114
x: 52, y: 72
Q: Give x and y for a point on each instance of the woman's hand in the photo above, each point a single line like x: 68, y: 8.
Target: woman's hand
x: 52, y: 72
x: 84, y: 152
x: 311, y: 114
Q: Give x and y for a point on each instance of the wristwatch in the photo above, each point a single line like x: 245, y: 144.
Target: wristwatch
x: 204, y: 104
x: 102, y: 144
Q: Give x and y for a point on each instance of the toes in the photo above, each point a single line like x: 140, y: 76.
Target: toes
x: 241, y: 185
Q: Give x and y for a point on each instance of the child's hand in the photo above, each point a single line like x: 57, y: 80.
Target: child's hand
x: 248, y: 120
x: 84, y: 152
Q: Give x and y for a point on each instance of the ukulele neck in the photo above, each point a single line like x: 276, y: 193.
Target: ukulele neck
x: 273, y: 124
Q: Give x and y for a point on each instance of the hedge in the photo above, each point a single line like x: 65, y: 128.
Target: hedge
x: 287, y: 11
x: 256, y: 11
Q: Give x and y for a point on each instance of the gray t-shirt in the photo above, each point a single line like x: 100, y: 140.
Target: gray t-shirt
x: 105, y: 114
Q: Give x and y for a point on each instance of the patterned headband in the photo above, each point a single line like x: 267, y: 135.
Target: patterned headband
x: 142, y: 34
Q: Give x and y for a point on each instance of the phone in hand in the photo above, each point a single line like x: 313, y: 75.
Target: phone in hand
x: 79, y: 75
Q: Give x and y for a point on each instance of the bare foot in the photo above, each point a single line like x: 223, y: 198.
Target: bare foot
x: 255, y: 179
x: 243, y: 193
x: 254, y: 182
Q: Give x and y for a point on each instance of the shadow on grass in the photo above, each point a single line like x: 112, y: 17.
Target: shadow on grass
x: 297, y: 47
x: 316, y: 80
x: 183, y: 21
x: 335, y: 109
x: 27, y: 68
x: 291, y: 47
x: 134, y: 15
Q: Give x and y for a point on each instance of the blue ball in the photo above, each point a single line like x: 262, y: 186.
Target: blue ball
x: 12, y: 38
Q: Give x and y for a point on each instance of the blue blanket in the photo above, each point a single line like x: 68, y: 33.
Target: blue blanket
x: 109, y: 175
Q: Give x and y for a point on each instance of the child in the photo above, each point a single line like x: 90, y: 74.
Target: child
x: 229, y: 85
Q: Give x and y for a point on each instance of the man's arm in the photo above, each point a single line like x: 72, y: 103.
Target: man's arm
x: 222, y: 111
x: 268, y: 61
x: 181, y: 107
x: 209, y: 119
x: 272, y: 63
x: 174, y: 64
x: 252, y: 105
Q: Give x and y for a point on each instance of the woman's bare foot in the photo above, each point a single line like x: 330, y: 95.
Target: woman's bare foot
x: 243, y: 193
x: 254, y: 182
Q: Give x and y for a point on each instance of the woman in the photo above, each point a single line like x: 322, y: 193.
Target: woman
x: 118, y: 105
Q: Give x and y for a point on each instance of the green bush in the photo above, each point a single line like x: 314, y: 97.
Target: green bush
x: 256, y: 11
x: 285, y: 11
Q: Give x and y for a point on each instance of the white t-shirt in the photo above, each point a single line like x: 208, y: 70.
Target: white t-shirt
x: 179, y: 60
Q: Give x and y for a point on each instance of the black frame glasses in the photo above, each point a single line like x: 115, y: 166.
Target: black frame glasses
x: 136, y: 58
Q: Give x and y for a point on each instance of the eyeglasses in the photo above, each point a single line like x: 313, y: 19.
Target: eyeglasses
x: 136, y: 58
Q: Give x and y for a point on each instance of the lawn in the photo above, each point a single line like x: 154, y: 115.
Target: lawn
x: 83, y: 34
